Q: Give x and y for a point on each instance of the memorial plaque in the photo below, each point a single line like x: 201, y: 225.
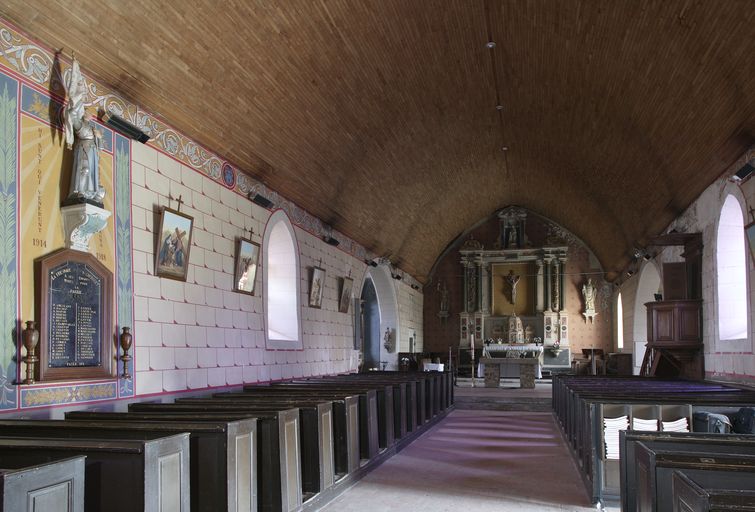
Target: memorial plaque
x: 74, y: 305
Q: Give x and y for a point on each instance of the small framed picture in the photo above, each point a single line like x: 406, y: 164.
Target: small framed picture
x: 343, y: 303
x: 247, y: 258
x: 315, y: 287
x: 750, y: 233
x: 173, y: 245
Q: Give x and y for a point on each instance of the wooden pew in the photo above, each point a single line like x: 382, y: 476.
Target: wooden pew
x: 384, y: 403
x: 278, y: 456
x: 48, y: 486
x: 345, y: 421
x: 316, y: 433
x: 121, y: 475
x: 368, y: 409
x: 437, y: 387
x: 581, y: 403
x: 223, y: 457
x: 425, y: 392
x: 404, y: 397
x: 655, y: 469
x: 629, y: 443
x: 401, y: 388
x: 712, y: 491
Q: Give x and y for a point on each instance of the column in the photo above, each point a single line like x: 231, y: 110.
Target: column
x: 471, y: 287
x: 465, y: 287
x: 539, y: 287
x: 485, y: 288
x: 561, y: 281
x: 556, y: 284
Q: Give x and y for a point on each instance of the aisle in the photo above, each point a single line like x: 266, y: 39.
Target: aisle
x: 475, y: 461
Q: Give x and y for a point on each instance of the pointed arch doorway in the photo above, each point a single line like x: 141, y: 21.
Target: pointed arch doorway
x: 379, y: 313
x: 371, y: 326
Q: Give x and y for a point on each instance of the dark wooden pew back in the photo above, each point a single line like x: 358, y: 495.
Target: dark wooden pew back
x: 222, y: 453
x: 121, y: 475
x: 54, y: 485
x: 717, y: 491
x: 278, y: 453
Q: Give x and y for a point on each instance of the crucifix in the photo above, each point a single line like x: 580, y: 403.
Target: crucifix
x: 512, y: 279
x: 180, y: 202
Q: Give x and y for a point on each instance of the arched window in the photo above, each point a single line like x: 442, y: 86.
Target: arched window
x: 650, y: 281
x: 731, y: 272
x: 280, y: 268
x: 619, y: 323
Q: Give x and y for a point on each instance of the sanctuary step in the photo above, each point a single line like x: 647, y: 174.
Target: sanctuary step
x: 508, y: 397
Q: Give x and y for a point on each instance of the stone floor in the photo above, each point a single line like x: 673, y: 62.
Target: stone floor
x: 476, y: 461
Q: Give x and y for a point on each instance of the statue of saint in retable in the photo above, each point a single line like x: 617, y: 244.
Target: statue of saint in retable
x: 83, y: 137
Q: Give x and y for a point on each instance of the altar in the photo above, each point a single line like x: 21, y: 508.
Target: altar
x: 522, y: 360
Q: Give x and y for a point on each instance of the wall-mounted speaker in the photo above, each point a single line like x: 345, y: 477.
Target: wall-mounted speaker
x: 331, y: 241
x: 745, y: 171
x: 262, y: 201
x: 123, y: 127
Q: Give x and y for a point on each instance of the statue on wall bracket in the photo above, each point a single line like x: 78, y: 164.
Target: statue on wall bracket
x: 589, y: 293
x: 85, y: 139
x: 388, y: 341
x: 83, y: 211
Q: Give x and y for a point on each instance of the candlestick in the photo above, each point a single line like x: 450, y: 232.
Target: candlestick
x: 471, y: 344
x: 126, y: 340
x: 30, y: 338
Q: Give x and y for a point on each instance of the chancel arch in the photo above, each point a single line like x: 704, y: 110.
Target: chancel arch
x: 518, y: 277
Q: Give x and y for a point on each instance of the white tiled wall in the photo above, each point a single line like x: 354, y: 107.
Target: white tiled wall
x: 410, y: 303
x: 199, y: 333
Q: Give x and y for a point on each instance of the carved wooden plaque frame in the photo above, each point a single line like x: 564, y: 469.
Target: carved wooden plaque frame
x: 74, y: 308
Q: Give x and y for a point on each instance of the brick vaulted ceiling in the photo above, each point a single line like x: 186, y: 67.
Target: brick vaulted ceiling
x: 379, y: 116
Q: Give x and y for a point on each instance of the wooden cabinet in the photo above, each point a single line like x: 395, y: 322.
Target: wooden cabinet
x: 674, y: 347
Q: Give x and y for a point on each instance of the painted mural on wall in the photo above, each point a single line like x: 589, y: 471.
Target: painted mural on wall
x: 8, y: 241
x: 33, y: 180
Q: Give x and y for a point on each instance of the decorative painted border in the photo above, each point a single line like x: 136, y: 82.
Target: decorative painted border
x: 124, y: 272
x: 8, y: 240
x: 57, y: 395
x: 40, y: 66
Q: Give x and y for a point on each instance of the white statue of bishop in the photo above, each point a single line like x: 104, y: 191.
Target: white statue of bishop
x: 83, y: 137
